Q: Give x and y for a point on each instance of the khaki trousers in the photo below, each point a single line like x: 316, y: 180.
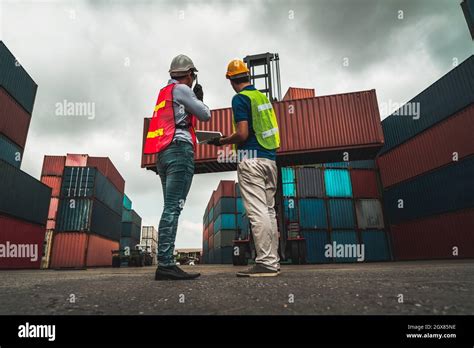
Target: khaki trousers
x: 258, y: 183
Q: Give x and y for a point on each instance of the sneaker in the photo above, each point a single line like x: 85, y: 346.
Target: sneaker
x: 173, y: 273
x: 258, y: 271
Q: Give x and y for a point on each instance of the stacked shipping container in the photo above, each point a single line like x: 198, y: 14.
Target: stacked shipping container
x: 23, y: 200
x: 131, y: 226
x: 149, y: 240
x: 85, y: 210
x: 427, y: 166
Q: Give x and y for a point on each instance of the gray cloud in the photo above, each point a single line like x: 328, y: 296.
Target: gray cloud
x: 116, y: 54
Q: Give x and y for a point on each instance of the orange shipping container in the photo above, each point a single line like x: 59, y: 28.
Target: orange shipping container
x: 54, y: 182
x: 299, y: 93
x: 81, y: 250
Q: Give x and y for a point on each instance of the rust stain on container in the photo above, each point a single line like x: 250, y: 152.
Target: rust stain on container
x: 310, y: 131
x: 429, y: 150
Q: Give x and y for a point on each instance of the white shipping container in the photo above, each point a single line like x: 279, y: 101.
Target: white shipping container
x: 149, y: 232
x: 369, y: 213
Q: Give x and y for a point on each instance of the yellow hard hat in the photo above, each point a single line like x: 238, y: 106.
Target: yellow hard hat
x: 236, y: 69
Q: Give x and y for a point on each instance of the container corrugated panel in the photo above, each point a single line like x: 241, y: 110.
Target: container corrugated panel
x: 211, y: 215
x: 224, y: 238
x: 332, y: 124
x: 294, y: 93
x: 50, y: 224
x: 447, y: 189
x: 127, y: 203
x: 217, y: 255
x: 416, y: 156
x: 131, y: 216
x: 53, y: 165
x: 16, y: 80
x: 128, y: 242
x: 375, y: 245
x: 205, y: 246
x: 337, y: 165
x: 287, y: 175
x: 53, y: 208
x: 242, y: 227
x: 344, y: 237
x: 450, y: 94
x: 18, y: 232
x: 129, y: 229
x: 315, y: 245
x: 89, y: 182
x: 290, y: 208
x: 435, y: 237
x: 10, y: 152
x: 310, y: 182
x: 54, y: 182
x: 337, y: 183
x: 149, y: 232
x: 14, y: 120
x: 237, y: 190
x: 107, y: 168
x: 205, y: 233
x: 226, y: 188
x: 240, y: 205
x: 225, y: 205
x: 211, y: 229
x: 366, y: 164
x: 211, y: 242
x: 226, y: 255
x: 364, y: 183
x: 69, y: 250
x: 88, y: 215
x: 289, y: 190
x: 99, y: 251
x: 369, y: 213
x: 23, y: 196
x: 312, y: 213
x: 225, y: 222
x: 341, y: 213
x: 76, y: 160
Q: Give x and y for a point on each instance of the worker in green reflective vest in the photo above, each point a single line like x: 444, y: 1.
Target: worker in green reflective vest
x: 255, y: 140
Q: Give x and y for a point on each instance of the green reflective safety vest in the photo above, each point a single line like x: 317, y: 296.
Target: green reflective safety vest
x: 264, y: 121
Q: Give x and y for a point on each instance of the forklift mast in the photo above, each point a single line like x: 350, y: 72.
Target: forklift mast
x: 270, y: 75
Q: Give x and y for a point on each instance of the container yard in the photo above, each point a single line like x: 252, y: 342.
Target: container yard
x: 317, y: 165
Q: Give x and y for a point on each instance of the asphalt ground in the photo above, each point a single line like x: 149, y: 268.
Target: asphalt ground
x: 421, y: 287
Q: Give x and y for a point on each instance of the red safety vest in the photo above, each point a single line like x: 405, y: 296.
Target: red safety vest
x: 162, y: 124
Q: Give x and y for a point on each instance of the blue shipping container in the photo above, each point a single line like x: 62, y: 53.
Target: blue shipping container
x: 447, y: 189
x: 316, y: 242
x: 341, y: 213
x: 337, y: 165
x: 10, y: 152
x: 243, y: 226
x: 375, y: 244
x: 338, y: 183
x: 348, y: 239
x: 240, y: 205
x: 225, y: 222
x: 312, y: 213
x: 287, y: 175
x: 290, y: 207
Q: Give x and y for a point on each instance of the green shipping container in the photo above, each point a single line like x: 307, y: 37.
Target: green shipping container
x: 10, y: 152
x: 127, y: 203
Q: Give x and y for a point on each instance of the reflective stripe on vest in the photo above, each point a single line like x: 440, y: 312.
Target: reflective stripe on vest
x: 264, y: 120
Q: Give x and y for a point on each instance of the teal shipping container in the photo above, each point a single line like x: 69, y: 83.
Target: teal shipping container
x: 338, y: 183
x: 224, y: 238
x: 129, y: 229
x: 131, y: 216
x: 375, y: 244
x: 290, y: 207
x: 240, y: 205
x: 243, y: 225
x: 288, y: 181
x: 337, y: 165
x: 348, y: 239
x: 127, y: 203
x: 128, y: 242
x: 312, y: 213
x: 89, y: 182
x: 225, y: 222
x: 225, y: 205
x: 10, y: 152
x: 341, y: 213
x: 211, y: 215
x: 224, y: 255
x: 316, y: 242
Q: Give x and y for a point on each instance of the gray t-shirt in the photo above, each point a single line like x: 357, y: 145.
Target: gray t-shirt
x: 185, y: 103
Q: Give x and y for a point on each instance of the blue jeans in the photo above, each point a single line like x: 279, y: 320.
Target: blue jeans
x: 175, y: 165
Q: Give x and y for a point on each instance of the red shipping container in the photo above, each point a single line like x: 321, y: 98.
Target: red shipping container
x: 205, y: 234
x: 76, y: 160
x: 22, y: 238
x: 53, y: 208
x: 81, y: 250
x: 364, y: 183
x: 53, y: 165
x: 14, y: 120
x: 54, y: 182
x: 294, y: 93
x: 106, y: 167
x: 429, y: 150
x: 226, y: 188
x: 312, y: 130
x: 211, y: 229
x: 435, y: 237
x: 50, y: 224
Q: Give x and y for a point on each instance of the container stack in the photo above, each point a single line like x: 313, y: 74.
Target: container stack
x: 335, y: 203
x: 85, y: 213
x: 131, y: 228
x: 24, y: 200
x: 221, y: 221
x: 149, y: 240
x: 427, y: 166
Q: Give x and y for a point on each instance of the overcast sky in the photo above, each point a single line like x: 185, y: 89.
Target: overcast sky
x: 115, y: 55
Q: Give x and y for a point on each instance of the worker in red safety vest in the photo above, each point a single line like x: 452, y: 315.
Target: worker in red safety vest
x: 171, y: 135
